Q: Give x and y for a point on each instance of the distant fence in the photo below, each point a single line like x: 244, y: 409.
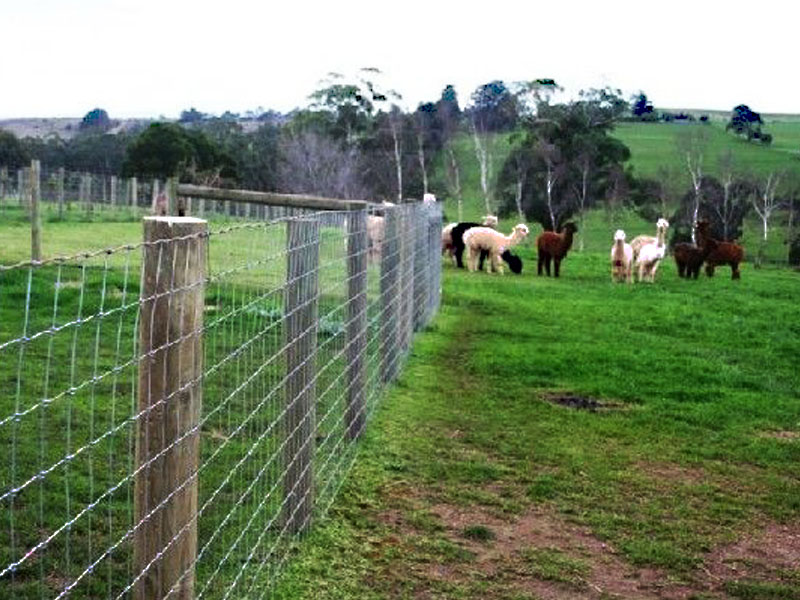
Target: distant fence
x: 176, y: 412
x: 69, y: 193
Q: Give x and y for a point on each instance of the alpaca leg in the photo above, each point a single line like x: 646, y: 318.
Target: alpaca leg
x: 470, y: 260
x: 556, y: 266
x: 539, y: 264
x: 547, y: 264
x: 497, y: 265
x: 735, y: 271
x: 710, y: 270
x: 629, y: 274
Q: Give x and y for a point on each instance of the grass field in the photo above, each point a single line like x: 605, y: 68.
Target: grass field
x: 683, y: 482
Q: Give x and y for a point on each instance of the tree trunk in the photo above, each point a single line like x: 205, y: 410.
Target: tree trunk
x: 456, y: 182
x: 421, y: 157
x: 482, y: 154
x: 398, y: 162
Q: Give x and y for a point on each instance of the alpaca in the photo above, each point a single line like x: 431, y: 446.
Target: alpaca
x: 719, y: 253
x: 447, y: 239
x: 689, y: 258
x: 554, y: 246
x: 428, y: 199
x: 477, y: 239
x: 643, y: 240
x: 376, y: 227
x: 457, y: 237
x: 621, y: 258
x: 513, y: 261
x: 650, y: 256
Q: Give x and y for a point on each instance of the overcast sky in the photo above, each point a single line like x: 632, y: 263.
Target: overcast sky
x: 146, y: 58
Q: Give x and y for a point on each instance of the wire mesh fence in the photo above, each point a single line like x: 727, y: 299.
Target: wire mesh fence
x: 177, y: 412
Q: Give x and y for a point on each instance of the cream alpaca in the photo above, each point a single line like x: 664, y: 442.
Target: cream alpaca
x: 643, y: 240
x: 494, y: 242
x: 621, y: 259
x: 650, y: 256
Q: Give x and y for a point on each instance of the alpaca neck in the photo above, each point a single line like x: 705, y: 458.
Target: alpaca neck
x: 567, y: 239
x: 619, y: 247
x: 660, y: 237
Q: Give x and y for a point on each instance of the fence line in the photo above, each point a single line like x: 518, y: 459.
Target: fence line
x: 178, y: 412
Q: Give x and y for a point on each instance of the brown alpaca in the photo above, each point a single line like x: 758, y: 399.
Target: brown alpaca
x: 719, y: 253
x: 689, y: 258
x: 554, y: 246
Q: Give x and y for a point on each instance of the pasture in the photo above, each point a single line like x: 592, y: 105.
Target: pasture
x: 575, y: 438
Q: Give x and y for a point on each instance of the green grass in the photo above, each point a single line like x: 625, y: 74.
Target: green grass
x: 699, y: 374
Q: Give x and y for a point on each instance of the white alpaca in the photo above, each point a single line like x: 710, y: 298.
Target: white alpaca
x: 376, y: 227
x: 429, y: 199
x: 621, y: 259
x: 643, y: 240
x: 650, y: 256
x: 494, y: 242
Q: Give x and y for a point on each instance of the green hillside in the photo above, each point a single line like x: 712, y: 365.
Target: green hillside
x: 653, y: 145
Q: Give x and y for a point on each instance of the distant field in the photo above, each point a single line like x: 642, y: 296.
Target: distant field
x: 653, y: 145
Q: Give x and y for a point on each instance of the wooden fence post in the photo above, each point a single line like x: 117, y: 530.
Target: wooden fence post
x: 154, y: 203
x: 60, y: 192
x: 170, y: 399
x: 35, y: 192
x: 356, y: 319
x: 3, y: 184
x: 390, y: 294
x: 133, y: 192
x: 419, y: 233
x: 406, y: 278
x: 87, y: 190
x: 113, y: 194
x: 21, y: 187
x: 299, y: 422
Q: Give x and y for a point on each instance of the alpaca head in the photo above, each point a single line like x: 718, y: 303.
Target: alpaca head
x: 513, y: 261
x: 429, y: 199
x: 619, y: 236
x: 520, y: 231
x: 662, y: 224
x: 569, y: 228
x: 490, y: 220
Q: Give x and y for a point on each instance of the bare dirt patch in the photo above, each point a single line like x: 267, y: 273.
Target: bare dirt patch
x: 503, y: 558
x: 771, y: 555
x: 781, y: 435
x: 579, y: 402
x: 673, y: 472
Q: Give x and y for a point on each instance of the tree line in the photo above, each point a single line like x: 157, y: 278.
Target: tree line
x: 353, y: 141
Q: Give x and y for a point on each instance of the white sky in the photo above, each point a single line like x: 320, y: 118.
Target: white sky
x: 145, y: 58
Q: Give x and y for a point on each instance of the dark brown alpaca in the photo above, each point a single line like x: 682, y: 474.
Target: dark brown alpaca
x: 554, y: 246
x: 690, y: 258
x: 719, y: 253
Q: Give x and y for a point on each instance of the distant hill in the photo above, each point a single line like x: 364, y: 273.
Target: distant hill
x: 67, y: 127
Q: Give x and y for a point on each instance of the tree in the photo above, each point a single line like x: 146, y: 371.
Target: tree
x: 191, y: 116
x: 449, y: 117
x: 493, y: 110
x: 12, y: 153
x: 748, y: 123
x: 167, y: 150
x: 692, y: 143
x: 572, y: 158
x: 314, y: 164
x: 642, y: 108
x: 96, y: 121
x: 765, y: 203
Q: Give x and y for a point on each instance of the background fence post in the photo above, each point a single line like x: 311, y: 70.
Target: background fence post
x: 356, y: 319
x: 3, y: 185
x: 133, y: 192
x: 60, y: 192
x: 300, y: 310
x: 407, y: 239
x: 35, y: 186
x: 154, y: 203
x: 113, y: 191
x: 390, y: 294
x: 21, y: 186
x: 87, y: 190
x: 170, y: 398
